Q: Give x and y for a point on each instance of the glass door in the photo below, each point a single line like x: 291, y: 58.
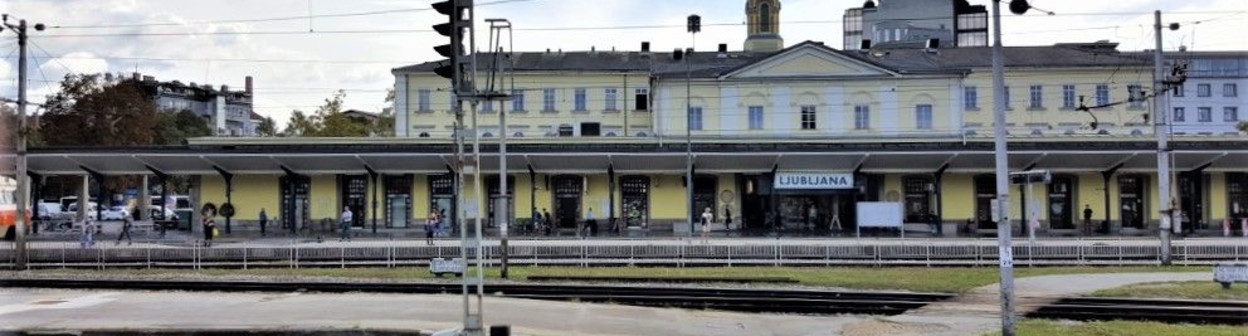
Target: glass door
x: 1061, y: 203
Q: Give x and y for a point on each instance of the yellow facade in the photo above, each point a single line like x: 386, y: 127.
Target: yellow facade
x: 1052, y: 118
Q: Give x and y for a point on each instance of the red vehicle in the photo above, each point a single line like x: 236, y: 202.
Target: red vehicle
x: 8, y: 209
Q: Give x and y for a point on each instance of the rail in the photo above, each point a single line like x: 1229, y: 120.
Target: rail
x: 874, y: 253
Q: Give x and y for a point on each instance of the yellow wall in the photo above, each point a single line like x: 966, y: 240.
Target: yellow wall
x: 531, y: 121
x: 667, y: 198
x: 1217, y: 208
x: 251, y: 193
x: 596, y: 195
x: 324, y: 197
x: 1024, y: 119
x: 958, y: 198
x: 1090, y: 192
x: 420, y: 198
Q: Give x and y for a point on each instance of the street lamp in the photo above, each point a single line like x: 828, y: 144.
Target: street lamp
x: 694, y: 26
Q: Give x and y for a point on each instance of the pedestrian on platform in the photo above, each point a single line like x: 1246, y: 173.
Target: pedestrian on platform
x: 431, y: 224
x: 210, y: 228
x: 591, y: 224
x: 264, y: 221
x: 537, y: 221
x: 347, y: 218
x: 708, y: 217
x: 88, y: 233
x: 126, y: 226
x: 548, y: 222
x: 727, y: 218
x: 1087, y: 220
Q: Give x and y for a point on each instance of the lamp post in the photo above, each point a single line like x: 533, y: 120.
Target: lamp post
x: 23, y: 180
x: 694, y: 26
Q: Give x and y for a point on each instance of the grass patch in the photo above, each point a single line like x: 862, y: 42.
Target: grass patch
x: 1122, y: 328
x: 1196, y: 290
x: 917, y: 279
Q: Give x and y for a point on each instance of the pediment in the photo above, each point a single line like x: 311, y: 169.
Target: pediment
x: 809, y: 61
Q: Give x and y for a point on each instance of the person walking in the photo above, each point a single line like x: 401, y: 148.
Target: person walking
x: 88, y: 233
x: 708, y: 217
x: 264, y: 221
x: 728, y: 218
x: 1087, y: 220
x: 210, y: 228
x: 126, y: 226
x: 537, y: 222
x: 548, y: 222
x: 591, y: 224
x: 346, y: 218
x: 431, y: 223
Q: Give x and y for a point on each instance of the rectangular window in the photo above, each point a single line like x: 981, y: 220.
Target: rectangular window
x: 487, y: 106
x: 923, y: 116
x: 1135, y: 94
x: 1036, y: 94
x: 1230, y: 114
x: 517, y: 100
x: 642, y: 99
x: 1102, y: 94
x: 579, y: 94
x: 970, y: 97
x: 422, y: 100
x: 1180, y: 114
x: 1068, y: 96
x: 1178, y: 90
x: 756, y: 117
x: 1007, y: 97
x: 809, y: 117
x: 1204, y: 114
x: 610, y: 96
x: 548, y: 100
x: 862, y: 117
x: 1204, y: 90
x: 1230, y: 90
x: 695, y: 118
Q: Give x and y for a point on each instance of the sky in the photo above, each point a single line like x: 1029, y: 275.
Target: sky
x: 301, y: 51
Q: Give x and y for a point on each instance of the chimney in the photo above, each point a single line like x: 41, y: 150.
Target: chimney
x: 645, y: 46
x: 723, y: 48
x: 678, y: 54
x: 136, y: 76
x: 248, y: 86
x: 225, y: 88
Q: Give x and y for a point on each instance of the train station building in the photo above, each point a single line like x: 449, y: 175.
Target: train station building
x: 782, y: 140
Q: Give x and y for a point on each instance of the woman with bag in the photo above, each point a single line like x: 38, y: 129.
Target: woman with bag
x: 209, y: 226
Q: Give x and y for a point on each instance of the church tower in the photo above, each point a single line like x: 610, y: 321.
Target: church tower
x: 763, y: 25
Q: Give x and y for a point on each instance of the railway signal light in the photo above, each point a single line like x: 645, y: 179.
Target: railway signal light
x: 458, y: 19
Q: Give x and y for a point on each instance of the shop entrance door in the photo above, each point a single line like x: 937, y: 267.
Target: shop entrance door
x: 354, y: 192
x: 568, y: 191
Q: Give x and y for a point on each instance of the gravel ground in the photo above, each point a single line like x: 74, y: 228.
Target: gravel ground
x: 192, y: 276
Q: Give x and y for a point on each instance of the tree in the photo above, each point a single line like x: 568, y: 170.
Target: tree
x: 328, y: 121
x: 175, y: 127
x: 99, y: 110
x: 384, y: 126
x: 267, y: 127
x: 1243, y: 126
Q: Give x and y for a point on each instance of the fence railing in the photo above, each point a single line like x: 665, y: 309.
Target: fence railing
x: 577, y: 253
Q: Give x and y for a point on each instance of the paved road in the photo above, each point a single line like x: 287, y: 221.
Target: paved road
x: 972, y: 314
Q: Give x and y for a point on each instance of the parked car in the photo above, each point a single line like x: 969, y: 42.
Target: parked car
x: 168, y: 215
x: 93, y: 210
x: 50, y: 210
x: 115, y: 213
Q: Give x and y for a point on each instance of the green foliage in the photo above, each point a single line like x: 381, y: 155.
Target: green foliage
x: 99, y: 110
x: 175, y: 127
x: 330, y: 121
x: 267, y: 127
x: 1243, y: 126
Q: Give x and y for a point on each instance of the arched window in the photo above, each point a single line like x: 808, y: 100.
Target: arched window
x: 764, y: 18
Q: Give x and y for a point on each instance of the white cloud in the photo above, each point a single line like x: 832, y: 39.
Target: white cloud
x: 283, y: 86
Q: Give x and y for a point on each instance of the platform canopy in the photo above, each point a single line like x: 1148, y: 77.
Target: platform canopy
x: 319, y: 158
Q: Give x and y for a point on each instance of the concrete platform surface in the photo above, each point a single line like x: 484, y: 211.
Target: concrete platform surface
x: 37, y: 309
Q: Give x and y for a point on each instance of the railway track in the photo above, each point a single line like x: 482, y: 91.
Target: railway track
x: 1157, y: 310
x: 738, y: 300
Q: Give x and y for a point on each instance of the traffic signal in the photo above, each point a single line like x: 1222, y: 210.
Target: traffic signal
x: 459, y: 13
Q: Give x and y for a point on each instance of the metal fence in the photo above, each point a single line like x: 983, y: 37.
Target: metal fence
x: 577, y: 253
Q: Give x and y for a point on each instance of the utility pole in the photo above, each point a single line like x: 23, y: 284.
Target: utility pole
x: 23, y: 181
x: 1161, y: 127
x: 1004, y: 227
x: 694, y: 26
x: 501, y: 215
